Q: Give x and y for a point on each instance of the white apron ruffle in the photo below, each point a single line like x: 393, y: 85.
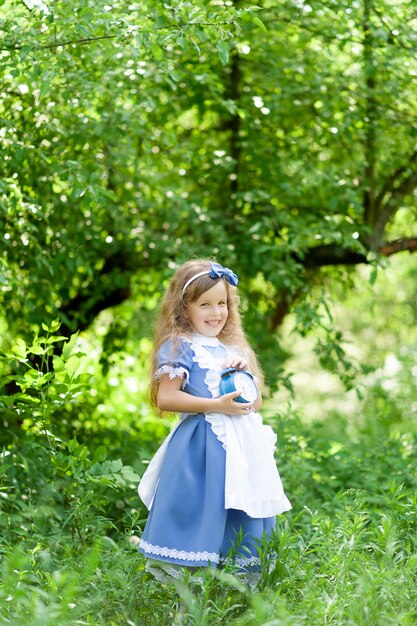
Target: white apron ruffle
x: 252, y: 481
x: 149, y: 481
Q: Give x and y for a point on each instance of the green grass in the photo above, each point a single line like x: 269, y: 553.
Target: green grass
x: 346, y: 552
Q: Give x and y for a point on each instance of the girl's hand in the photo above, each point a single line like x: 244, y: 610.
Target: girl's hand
x: 238, y: 362
x: 226, y: 404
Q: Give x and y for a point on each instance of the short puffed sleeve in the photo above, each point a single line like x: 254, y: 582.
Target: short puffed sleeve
x: 175, y: 359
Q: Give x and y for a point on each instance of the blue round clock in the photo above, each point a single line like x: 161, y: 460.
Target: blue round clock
x: 238, y: 380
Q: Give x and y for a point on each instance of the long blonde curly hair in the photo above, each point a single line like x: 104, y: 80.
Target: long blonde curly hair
x: 173, y: 319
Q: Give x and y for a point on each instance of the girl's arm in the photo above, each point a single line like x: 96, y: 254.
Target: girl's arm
x: 171, y: 398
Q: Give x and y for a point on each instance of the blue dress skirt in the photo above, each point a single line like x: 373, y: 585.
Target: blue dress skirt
x: 188, y: 523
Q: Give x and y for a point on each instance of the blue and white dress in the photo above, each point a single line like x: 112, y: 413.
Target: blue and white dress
x: 213, y: 476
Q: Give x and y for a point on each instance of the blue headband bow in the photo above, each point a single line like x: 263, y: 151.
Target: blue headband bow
x: 217, y: 271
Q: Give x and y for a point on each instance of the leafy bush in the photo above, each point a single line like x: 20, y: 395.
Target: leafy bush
x: 48, y: 484
x: 71, y: 518
x: 345, y: 553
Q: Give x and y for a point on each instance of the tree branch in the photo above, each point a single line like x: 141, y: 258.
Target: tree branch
x: 332, y: 254
x: 86, y: 305
x: 70, y: 42
x: 86, y: 40
x: 282, y: 308
x: 390, y: 208
x: 234, y: 124
x: 399, y: 245
x: 26, y: 6
x: 88, y: 309
x: 370, y: 115
x: 391, y: 180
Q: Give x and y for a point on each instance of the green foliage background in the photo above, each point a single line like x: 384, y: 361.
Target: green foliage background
x: 281, y: 139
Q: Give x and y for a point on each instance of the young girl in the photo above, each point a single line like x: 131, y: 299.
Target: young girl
x: 214, y: 477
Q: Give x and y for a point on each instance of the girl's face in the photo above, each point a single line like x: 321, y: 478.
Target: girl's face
x: 208, y: 314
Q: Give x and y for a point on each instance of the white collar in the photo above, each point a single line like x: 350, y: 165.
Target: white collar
x: 202, y: 340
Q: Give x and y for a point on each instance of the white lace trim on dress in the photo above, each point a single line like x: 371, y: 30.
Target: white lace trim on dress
x: 173, y: 553
x: 247, y: 561
x: 213, y: 557
x: 173, y: 372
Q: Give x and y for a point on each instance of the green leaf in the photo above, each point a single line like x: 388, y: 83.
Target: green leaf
x: 116, y: 465
x: 72, y: 365
x: 19, y: 349
x: 59, y: 364
x: 100, y: 454
x: 129, y: 473
x: 259, y: 23
x: 56, y: 338
x: 36, y: 349
x: 69, y: 346
x: 55, y: 325
x: 182, y: 42
x: 43, y: 379
x: 31, y: 375
x: 157, y: 53
x: 223, y: 50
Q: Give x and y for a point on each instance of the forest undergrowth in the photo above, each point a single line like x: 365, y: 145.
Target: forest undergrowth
x: 346, y: 553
